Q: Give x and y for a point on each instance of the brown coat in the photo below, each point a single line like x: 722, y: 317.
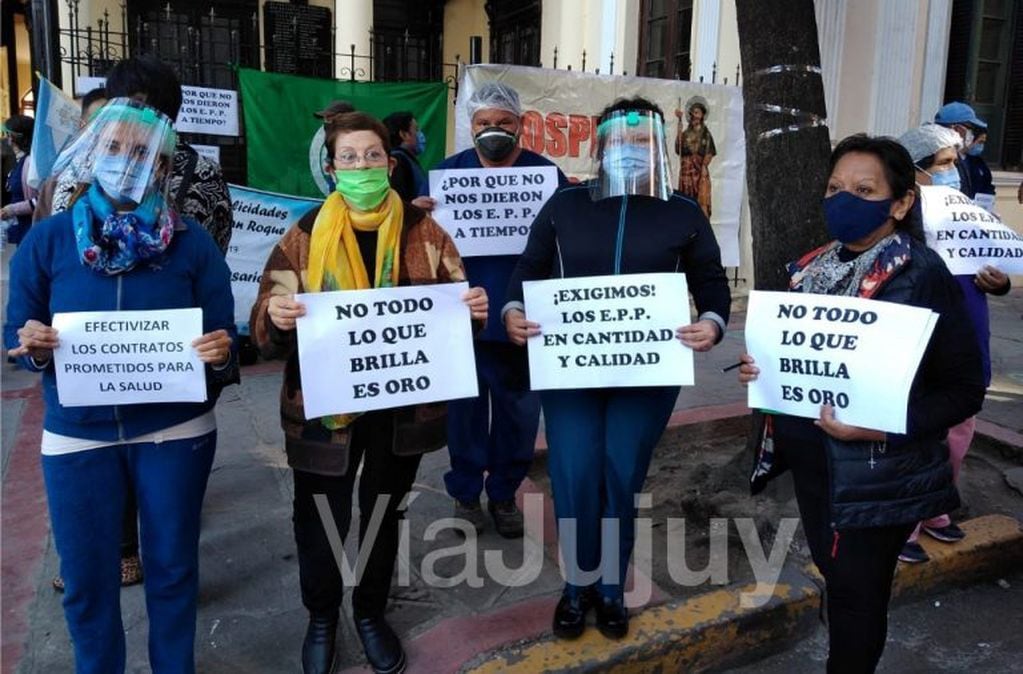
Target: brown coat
x: 428, y: 256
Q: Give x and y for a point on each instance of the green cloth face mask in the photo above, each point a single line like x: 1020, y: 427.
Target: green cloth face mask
x: 365, y: 189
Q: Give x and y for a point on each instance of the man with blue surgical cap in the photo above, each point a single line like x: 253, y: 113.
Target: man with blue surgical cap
x: 491, y: 437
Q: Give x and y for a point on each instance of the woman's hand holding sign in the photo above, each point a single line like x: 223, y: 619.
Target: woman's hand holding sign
x: 519, y: 329
x: 213, y: 348
x: 827, y: 422
x: 836, y: 429
x: 35, y: 340
x: 479, y: 304
x: 699, y: 336
x: 283, y: 310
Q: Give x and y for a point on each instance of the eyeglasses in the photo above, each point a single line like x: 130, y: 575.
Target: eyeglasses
x: 350, y: 158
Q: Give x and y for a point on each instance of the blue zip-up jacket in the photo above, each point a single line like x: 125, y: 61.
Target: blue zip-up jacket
x: 47, y: 277
x: 573, y: 235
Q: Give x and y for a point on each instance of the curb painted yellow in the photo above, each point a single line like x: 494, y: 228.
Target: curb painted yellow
x: 715, y: 629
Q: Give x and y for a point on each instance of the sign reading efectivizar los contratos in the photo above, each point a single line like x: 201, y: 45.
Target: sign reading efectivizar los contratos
x: 128, y: 357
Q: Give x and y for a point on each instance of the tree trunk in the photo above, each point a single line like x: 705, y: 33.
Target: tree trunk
x: 786, y: 151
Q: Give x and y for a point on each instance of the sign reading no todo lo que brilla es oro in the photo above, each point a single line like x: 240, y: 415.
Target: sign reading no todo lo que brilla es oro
x: 489, y: 211
x: 128, y: 357
x: 608, y: 331
x: 859, y: 356
x: 362, y: 350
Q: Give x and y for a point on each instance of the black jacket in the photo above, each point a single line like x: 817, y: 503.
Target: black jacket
x: 575, y: 236
x: 910, y: 478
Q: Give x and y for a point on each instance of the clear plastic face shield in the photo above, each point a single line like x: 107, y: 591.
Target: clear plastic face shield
x: 631, y: 156
x: 126, y: 149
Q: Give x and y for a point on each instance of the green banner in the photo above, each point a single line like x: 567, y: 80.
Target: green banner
x: 284, y: 141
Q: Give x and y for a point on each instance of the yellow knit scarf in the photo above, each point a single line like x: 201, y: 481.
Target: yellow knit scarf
x: 335, y: 262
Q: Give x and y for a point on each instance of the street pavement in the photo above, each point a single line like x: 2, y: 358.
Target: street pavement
x: 250, y: 615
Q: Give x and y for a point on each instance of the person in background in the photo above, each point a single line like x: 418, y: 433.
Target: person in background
x: 363, y: 236
x: 18, y: 132
x: 408, y: 179
x: 980, y: 178
x: 91, y: 103
x: 625, y: 221
x: 121, y: 246
x: 197, y: 187
x: 933, y: 149
x: 861, y: 491
x: 336, y: 107
x: 962, y: 119
x: 491, y: 438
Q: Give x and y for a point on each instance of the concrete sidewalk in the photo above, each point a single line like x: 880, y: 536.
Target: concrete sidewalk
x: 251, y: 619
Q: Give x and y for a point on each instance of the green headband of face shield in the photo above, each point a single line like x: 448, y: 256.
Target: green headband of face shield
x: 627, y: 119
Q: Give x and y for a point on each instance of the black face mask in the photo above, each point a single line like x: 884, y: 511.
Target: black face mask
x: 495, y: 144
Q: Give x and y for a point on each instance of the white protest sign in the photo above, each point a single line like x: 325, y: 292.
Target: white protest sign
x: 362, y: 350
x: 608, y: 331
x: 489, y: 211
x: 211, y: 152
x: 260, y: 220
x: 128, y: 357
x: 858, y: 355
x: 86, y: 83
x: 967, y: 236
x: 203, y: 110
x: 985, y: 201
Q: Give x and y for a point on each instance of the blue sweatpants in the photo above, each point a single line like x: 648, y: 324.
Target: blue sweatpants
x: 601, y: 441
x: 86, y: 494
x: 494, y: 433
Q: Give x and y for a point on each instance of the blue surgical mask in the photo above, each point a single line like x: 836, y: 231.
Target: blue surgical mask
x: 121, y: 178
x: 976, y: 150
x: 626, y: 161
x: 946, y: 178
x: 420, y: 142
x: 851, y: 218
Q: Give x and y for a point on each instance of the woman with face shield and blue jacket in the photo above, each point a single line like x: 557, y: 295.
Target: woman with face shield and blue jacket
x: 121, y: 246
x: 627, y: 220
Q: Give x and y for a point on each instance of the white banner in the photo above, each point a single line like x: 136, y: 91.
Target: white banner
x: 128, y: 357
x: 203, y: 110
x: 561, y: 108
x: 489, y: 211
x: 260, y: 219
x: 211, y: 152
x: 608, y: 331
x: 362, y: 350
x: 858, y: 355
x: 966, y: 235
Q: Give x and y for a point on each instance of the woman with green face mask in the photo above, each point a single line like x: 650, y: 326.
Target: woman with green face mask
x: 364, y: 236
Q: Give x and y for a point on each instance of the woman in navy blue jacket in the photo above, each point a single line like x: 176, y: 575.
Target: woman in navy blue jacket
x: 626, y: 221
x: 122, y: 247
x: 861, y: 491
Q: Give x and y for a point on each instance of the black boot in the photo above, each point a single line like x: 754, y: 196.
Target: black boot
x: 612, y: 618
x: 318, y: 653
x: 382, y: 646
x: 570, y: 614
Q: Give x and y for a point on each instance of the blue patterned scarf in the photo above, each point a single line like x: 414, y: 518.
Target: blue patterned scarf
x: 111, y: 242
